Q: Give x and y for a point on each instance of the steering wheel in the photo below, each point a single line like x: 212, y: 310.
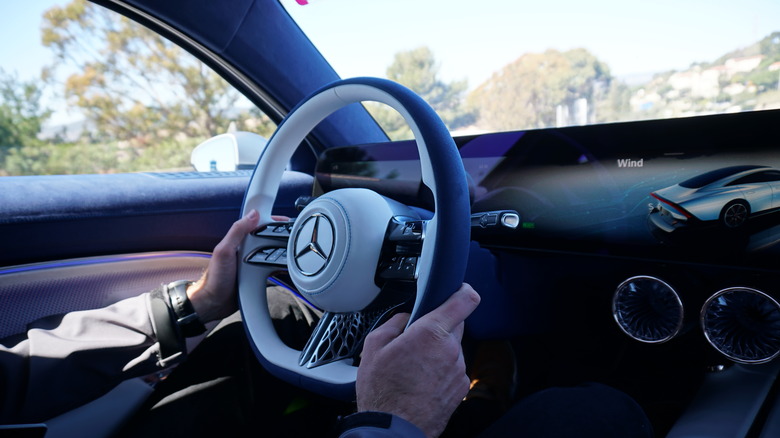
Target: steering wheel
x: 352, y: 252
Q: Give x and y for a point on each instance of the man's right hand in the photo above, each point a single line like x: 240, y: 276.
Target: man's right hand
x: 418, y: 374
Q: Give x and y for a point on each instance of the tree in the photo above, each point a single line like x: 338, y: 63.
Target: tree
x: 417, y: 69
x: 526, y: 92
x: 770, y: 46
x: 132, y: 83
x: 21, y: 115
x: 615, y: 106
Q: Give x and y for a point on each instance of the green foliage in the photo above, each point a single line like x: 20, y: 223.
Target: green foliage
x: 527, y: 91
x: 417, y: 70
x: 130, y: 82
x: 615, y: 106
x: 21, y: 115
x: 770, y: 45
x: 256, y: 121
x: 82, y: 158
x: 764, y: 79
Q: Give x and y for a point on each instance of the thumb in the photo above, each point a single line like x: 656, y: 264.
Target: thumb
x: 451, y: 314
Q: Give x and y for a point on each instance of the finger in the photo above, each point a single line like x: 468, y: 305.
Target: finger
x: 455, y: 310
x: 227, y: 247
x: 388, y: 331
x: 247, y: 223
x: 242, y: 227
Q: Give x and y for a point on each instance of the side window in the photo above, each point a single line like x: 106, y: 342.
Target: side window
x: 772, y: 175
x: 745, y: 180
x: 760, y: 177
x: 104, y: 94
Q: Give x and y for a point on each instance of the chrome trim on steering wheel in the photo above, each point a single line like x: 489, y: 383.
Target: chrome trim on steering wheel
x: 319, y: 242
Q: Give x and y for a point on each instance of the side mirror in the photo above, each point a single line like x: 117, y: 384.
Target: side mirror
x: 228, y: 152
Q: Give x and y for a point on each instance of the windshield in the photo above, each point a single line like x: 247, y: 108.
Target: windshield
x: 508, y: 65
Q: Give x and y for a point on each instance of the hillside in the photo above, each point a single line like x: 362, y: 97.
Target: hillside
x: 741, y: 80
x: 574, y: 87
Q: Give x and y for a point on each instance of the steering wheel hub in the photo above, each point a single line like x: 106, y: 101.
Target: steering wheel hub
x: 335, y: 248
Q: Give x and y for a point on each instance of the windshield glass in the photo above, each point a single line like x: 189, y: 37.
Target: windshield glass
x: 507, y: 65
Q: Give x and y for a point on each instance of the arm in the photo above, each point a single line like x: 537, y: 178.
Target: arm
x: 63, y: 361
x: 417, y: 375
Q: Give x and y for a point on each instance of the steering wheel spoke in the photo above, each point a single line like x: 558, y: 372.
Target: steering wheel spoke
x: 337, y: 336
x: 268, y: 246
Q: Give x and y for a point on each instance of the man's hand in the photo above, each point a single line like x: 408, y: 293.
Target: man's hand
x: 214, y: 295
x: 418, y: 374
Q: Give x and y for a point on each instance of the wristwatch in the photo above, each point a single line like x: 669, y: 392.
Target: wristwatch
x: 186, y: 318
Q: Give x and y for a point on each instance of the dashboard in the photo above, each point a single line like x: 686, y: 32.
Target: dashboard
x: 645, y: 256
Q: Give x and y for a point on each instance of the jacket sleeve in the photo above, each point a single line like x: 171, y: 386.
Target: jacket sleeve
x: 378, y: 425
x: 63, y: 361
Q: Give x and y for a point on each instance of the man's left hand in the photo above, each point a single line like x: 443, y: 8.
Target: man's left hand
x: 214, y: 295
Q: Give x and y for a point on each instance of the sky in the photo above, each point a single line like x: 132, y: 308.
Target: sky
x: 472, y: 39
x: 21, y: 51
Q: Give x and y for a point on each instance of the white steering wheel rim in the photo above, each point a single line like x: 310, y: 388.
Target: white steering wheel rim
x: 272, y: 352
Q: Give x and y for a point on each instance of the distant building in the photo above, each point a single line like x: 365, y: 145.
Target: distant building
x: 706, y: 83
x: 742, y: 64
x: 700, y: 83
x: 683, y: 80
x: 734, y: 89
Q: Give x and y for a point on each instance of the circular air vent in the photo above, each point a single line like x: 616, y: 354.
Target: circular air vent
x: 743, y: 324
x: 647, y: 309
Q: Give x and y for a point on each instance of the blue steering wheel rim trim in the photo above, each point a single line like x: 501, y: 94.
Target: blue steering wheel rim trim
x: 453, y: 209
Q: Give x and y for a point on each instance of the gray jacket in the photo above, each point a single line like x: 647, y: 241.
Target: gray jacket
x: 63, y: 361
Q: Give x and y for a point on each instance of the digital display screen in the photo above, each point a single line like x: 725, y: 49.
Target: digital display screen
x: 698, y: 189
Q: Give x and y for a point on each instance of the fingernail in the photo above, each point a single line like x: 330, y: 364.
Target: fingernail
x: 252, y: 214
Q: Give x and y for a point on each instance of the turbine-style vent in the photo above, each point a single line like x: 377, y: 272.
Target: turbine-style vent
x: 743, y: 324
x: 647, y: 309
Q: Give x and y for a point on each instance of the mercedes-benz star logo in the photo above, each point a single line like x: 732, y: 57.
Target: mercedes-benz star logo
x: 313, y: 244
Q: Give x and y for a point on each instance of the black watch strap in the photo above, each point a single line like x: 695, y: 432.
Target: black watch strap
x: 188, y: 321
x: 168, y: 335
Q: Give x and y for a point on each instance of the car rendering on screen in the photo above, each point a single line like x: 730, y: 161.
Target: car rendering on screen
x: 392, y: 150
x: 728, y: 196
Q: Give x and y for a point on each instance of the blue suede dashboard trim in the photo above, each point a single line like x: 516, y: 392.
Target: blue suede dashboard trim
x: 60, y: 197
x: 66, y: 216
